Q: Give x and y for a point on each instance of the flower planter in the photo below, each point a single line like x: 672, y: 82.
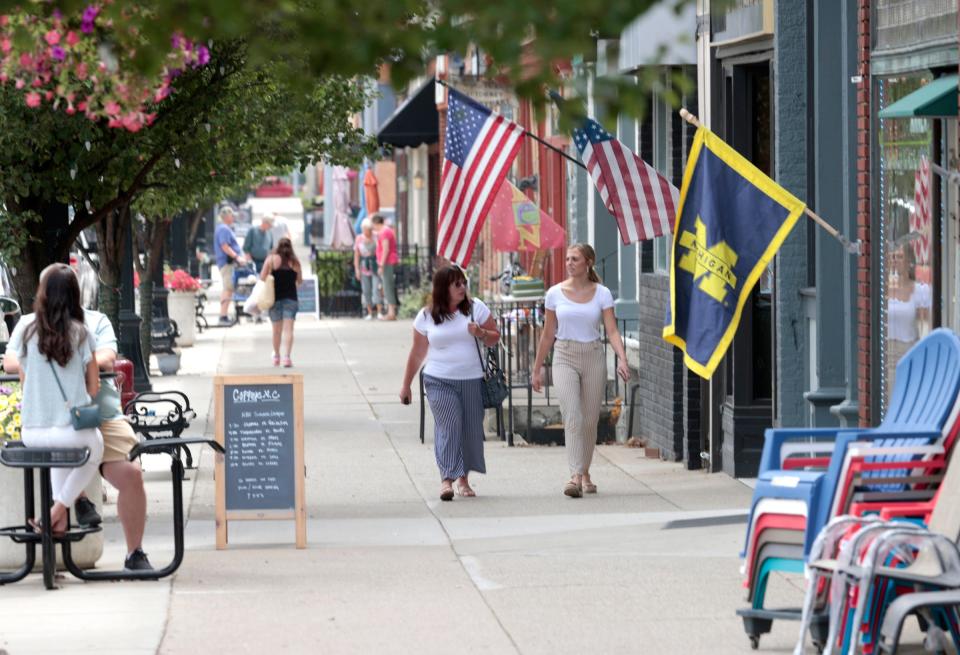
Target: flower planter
x: 181, y: 307
x: 85, y: 552
x: 168, y: 363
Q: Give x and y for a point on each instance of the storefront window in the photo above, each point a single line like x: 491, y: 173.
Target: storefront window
x: 906, y: 283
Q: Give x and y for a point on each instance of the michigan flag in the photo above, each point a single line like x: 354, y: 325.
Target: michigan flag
x: 731, y: 221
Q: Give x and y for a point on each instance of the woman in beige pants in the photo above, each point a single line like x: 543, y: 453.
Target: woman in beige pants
x: 574, y: 310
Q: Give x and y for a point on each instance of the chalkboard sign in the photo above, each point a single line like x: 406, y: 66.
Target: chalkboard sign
x: 261, y: 475
x: 307, y: 296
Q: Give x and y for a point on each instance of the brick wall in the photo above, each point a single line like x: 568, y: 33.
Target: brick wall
x: 660, y: 398
x: 864, y: 344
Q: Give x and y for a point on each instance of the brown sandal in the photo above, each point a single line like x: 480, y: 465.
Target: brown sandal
x: 572, y: 489
x: 446, y: 490
x: 465, y: 491
x: 589, y: 488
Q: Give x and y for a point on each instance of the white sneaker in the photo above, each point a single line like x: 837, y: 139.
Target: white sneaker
x: 368, y: 317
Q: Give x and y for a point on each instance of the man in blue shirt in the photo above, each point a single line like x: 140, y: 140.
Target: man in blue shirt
x: 228, y: 255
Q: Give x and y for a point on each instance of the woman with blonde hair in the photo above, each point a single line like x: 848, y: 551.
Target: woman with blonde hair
x: 365, y: 268
x: 287, y: 277
x: 575, y: 309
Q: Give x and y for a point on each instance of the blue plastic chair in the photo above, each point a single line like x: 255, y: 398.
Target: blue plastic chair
x: 925, y: 390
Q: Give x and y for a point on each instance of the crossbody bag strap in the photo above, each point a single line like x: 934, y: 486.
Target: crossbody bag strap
x: 476, y: 342
x: 56, y: 377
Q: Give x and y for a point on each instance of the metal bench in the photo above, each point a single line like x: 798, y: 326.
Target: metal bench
x: 161, y: 415
x: 16, y: 455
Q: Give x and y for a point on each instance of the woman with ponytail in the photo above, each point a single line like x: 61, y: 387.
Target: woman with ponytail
x: 574, y: 310
x: 58, y: 370
x: 284, y: 265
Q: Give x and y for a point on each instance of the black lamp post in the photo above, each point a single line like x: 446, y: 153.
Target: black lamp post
x: 129, y: 320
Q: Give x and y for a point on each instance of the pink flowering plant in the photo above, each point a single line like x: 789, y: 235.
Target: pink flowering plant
x: 74, y: 62
x: 180, y: 280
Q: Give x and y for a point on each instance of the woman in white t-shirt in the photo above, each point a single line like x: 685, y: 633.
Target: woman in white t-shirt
x: 575, y: 308
x: 446, y: 334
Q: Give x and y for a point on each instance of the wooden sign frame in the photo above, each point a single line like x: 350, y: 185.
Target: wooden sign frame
x: 299, y: 511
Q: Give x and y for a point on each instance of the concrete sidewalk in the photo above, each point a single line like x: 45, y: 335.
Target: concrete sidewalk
x: 648, y: 565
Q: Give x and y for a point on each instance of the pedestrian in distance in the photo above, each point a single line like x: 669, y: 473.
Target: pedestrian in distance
x: 387, y: 260
x: 228, y: 255
x: 365, y: 267
x: 58, y: 370
x: 446, y: 334
x: 259, y: 243
x: 574, y: 310
x: 287, y: 277
x: 118, y: 440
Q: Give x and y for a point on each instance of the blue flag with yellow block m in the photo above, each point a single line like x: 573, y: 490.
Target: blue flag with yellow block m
x: 731, y: 221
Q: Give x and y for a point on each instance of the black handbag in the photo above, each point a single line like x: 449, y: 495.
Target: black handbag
x: 493, y: 387
x: 82, y: 417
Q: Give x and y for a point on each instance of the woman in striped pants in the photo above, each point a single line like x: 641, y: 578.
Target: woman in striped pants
x: 446, y: 334
x: 574, y: 311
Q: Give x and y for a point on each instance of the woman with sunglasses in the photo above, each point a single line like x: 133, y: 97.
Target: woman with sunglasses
x: 446, y: 334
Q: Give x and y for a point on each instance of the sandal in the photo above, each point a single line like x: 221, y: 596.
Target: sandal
x: 465, y: 490
x: 37, y: 526
x: 276, y: 360
x: 446, y: 490
x: 589, y: 488
x: 572, y: 489
x: 287, y: 363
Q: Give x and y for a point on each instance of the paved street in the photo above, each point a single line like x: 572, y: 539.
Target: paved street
x: 520, y: 569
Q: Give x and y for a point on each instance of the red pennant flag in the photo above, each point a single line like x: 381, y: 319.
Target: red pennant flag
x: 518, y: 224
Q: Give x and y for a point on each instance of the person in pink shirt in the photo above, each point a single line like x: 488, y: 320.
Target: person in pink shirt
x: 387, y: 260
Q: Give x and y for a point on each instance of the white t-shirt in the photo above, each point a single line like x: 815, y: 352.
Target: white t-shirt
x: 453, y: 352
x: 902, y: 314
x: 578, y: 321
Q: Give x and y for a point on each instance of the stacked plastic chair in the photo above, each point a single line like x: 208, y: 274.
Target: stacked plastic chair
x: 872, y: 568
x: 808, y: 475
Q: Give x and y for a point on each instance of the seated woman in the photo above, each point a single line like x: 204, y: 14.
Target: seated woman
x: 56, y: 353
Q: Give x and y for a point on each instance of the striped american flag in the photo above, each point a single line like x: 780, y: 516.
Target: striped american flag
x: 643, y: 201
x: 920, y: 217
x: 479, y: 149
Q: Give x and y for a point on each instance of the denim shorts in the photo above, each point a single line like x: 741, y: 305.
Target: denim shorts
x: 284, y: 309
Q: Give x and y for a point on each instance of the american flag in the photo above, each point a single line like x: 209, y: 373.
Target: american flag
x: 920, y: 218
x: 480, y: 147
x: 643, y: 201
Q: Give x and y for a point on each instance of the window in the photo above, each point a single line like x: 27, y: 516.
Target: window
x: 906, y: 237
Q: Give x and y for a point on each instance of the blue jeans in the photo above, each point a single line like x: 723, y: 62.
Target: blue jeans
x: 284, y: 309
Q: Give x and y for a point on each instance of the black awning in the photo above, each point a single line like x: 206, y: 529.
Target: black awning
x: 414, y: 122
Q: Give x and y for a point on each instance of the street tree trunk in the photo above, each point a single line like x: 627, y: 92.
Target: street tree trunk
x: 111, y: 232
x: 48, y: 247
x: 150, y: 235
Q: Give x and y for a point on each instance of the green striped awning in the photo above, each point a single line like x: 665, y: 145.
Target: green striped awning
x: 932, y: 100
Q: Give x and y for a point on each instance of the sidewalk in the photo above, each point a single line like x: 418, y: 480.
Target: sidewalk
x: 649, y: 565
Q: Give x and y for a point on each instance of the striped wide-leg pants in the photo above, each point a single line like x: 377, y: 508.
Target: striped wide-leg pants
x: 457, y: 408
x: 580, y: 375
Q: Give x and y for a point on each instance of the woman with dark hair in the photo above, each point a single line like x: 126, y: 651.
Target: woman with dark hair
x: 446, y: 335
x: 575, y: 309
x: 58, y: 370
x: 287, y: 276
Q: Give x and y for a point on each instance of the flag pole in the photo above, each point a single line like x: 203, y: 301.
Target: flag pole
x: 853, y: 248
x: 533, y: 136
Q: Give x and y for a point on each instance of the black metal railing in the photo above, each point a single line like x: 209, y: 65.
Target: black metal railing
x: 521, y: 327
x: 415, y: 268
x: 337, y: 285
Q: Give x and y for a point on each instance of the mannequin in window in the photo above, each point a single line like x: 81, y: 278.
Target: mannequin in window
x: 908, y: 308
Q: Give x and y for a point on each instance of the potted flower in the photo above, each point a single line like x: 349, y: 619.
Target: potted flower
x: 182, y: 303
x: 86, y: 552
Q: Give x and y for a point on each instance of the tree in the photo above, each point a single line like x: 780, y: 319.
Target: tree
x: 228, y: 122
x: 524, y: 41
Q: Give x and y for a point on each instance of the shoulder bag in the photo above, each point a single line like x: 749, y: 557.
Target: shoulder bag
x: 82, y: 417
x: 493, y: 386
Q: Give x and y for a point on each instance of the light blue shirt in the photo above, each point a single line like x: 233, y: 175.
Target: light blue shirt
x: 43, y: 405
x: 104, y: 338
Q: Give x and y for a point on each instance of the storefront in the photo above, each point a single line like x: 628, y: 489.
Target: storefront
x: 915, y: 230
